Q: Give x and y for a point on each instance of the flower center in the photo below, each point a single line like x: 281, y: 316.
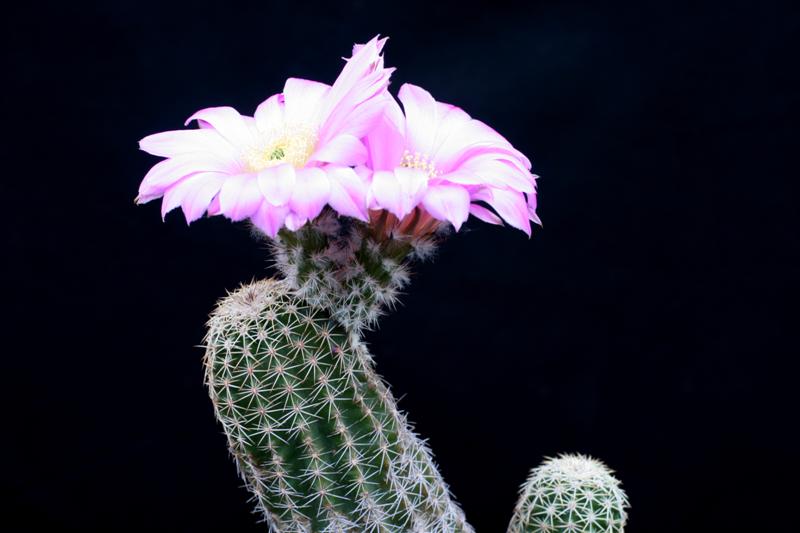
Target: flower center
x: 292, y: 144
x: 420, y: 162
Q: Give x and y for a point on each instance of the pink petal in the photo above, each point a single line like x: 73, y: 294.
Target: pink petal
x: 379, y: 43
x: 193, y: 194
x: 228, y: 122
x: 465, y: 135
x: 532, y: 208
x: 269, y: 114
x: 172, y: 197
x: 512, y: 207
x: 348, y: 108
x: 342, y: 150
x: 484, y: 214
x: 311, y: 193
x: 240, y: 196
x: 483, y: 194
x: 166, y: 173
x: 492, y: 172
x: 348, y: 192
x: 508, y: 155
x: 214, y: 207
x: 386, y: 141
x: 277, y: 183
x: 360, y: 65
x: 180, y: 142
x: 413, y: 184
x: 421, y: 118
x: 398, y: 191
x: 294, y: 221
x: 447, y: 202
x: 304, y: 99
x: 385, y: 193
x: 269, y: 218
x: 197, y: 200
x: 448, y: 135
x: 358, y: 120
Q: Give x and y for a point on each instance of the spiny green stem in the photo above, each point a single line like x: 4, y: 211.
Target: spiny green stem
x: 314, y: 431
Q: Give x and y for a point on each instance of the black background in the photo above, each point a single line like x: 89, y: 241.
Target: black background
x: 648, y: 323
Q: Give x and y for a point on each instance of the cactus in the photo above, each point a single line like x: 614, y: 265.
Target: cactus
x: 314, y: 431
x: 318, y: 169
x: 570, y: 494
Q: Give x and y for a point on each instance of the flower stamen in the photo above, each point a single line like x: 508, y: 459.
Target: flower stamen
x: 420, y: 162
x: 292, y: 144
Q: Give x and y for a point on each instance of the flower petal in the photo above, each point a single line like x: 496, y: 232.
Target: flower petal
x: 447, y: 202
x: 532, y: 208
x: 311, y: 193
x: 180, y: 142
x: 240, y: 196
x: 277, y: 183
x: 269, y: 114
x: 269, y: 218
x: 348, y: 107
x: 384, y: 193
x: 197, y: 200
x: 193, y: 194
x: 341, y: 150
x: 421, y: 117
x: 213, y: 208
x: 348, y: 192
x: 294, y: 221
x: 492, y: 172
x: 463, y: 136
x: 168, y: 172
x: 512, y: 207
x: 304, y: 99
x: 386, y: 140
x: 413, y: 184
x: 228, y: 122
x: 484, y: 214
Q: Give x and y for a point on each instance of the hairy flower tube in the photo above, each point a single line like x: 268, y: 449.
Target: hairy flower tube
x: 283, y: 165
x: 437, y: 158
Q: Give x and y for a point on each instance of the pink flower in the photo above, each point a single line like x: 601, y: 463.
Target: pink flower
x: 440, y: 159
x: 281, y: 166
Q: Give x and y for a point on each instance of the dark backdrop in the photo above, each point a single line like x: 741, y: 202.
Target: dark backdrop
x: 648, y: 323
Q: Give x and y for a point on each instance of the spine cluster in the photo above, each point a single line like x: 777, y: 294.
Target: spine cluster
x: 315, y: 433
x: 349, y: 268
x: 570, y: 494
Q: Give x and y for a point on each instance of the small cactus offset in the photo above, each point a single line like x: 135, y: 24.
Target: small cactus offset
x: 570, y: 494
x: 314, y: 431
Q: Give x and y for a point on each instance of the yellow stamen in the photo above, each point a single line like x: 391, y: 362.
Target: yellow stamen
x: 419, y: 162
x: 292, y: 144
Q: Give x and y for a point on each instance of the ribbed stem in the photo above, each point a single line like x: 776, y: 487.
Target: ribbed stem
x: 314, y: 430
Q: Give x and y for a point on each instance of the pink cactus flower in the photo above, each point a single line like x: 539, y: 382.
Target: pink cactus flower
x: 284, y: 164
x: 438, y: 159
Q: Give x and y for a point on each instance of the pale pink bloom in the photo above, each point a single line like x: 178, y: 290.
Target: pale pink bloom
x: 436, y: 157
x: 281, y: 166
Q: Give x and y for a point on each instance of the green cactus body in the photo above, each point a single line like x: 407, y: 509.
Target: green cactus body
x: 314, y: 431
x: 570, y: 494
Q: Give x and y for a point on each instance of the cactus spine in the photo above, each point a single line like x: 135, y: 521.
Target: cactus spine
x: 349, y: 268
x: 314, y: 431
x: 570, y: 494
